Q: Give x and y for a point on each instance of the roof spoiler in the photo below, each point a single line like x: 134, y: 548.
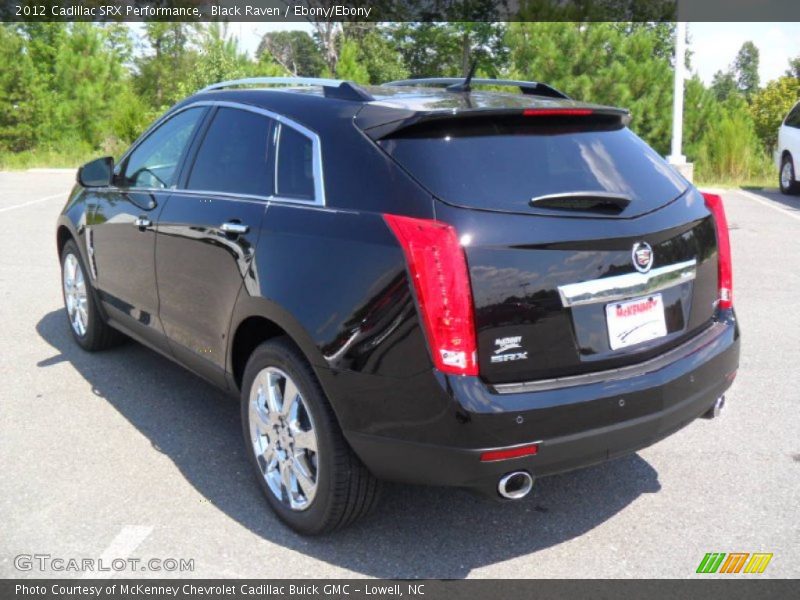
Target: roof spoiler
x: 532, y: 88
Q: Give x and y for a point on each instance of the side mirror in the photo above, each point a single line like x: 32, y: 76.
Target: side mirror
x: 97, y: 173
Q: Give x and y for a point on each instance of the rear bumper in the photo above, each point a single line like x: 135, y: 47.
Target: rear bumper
x: 575, y: 426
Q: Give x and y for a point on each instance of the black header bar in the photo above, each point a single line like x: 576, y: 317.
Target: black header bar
x: 400, y: 10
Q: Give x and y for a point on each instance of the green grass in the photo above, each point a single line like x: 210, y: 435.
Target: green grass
x: 46, y: 158
x: 749, y: 182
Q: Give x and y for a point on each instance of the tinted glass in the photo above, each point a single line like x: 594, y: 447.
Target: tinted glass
x: 793, y: 120
x: 503, y: 165
x: 154, y: 162
x: 234, y: 155
x: 295, y: 165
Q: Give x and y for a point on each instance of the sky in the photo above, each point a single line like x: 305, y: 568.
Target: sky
x: 713, y: 45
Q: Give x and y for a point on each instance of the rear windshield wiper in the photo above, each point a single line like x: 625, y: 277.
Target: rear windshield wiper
x: 606, y: 203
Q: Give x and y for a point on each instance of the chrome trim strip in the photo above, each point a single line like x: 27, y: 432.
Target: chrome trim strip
x: 703, y: 339
x: 619, y: 287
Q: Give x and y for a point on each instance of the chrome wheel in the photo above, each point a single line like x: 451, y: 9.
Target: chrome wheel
x: 283, y: 438
x: 786, y: 175
x: 75, y: 295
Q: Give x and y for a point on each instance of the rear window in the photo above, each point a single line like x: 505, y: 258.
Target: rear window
x: 504, y: 165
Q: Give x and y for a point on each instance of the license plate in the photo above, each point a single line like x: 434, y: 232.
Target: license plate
x: 635, y: 321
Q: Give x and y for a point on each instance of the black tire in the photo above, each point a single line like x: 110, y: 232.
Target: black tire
x: 793, y: 188
x: 345, y: 490
x: 97, y: 334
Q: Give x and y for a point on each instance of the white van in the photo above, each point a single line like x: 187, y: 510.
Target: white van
x: 787, y: 155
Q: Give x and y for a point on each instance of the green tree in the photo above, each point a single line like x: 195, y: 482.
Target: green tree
x: 730, y: 149
x: 167, y: 57
x: 20, y: 93
x: 746, y: 68
x: 723, y: 85
x: 88, y: 79
x: 701, y: 110
x: 770, y: 105
x: 448, y: 49
x: 348, y: 66
x: 220, y: 60
x: 376, y: 52
x: 295, y: 51
x: 605, y: 63
x: 794, y: 68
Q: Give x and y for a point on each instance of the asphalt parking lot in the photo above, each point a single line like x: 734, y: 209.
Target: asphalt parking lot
x: 123, y: 454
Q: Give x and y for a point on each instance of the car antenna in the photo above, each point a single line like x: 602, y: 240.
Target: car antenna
x: 464, y: 86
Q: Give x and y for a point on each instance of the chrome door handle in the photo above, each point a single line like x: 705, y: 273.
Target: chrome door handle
x: 235, y: 228
x: 142, y: 222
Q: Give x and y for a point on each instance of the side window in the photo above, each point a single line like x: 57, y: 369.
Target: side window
x: 793, y: 120
x: 234, y: 155
x: 294, y: 172
x: 154, y: 162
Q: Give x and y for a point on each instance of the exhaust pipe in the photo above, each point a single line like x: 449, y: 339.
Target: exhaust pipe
x: 515, y: 485
x: 714, y: 411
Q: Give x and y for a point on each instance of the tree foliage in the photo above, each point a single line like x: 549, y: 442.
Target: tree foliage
x: 95, y: 87
x: 794, y: 68
x: 771, y: 104
x: 606, y: 63
x: 746, y: 67
x: 295, y: 51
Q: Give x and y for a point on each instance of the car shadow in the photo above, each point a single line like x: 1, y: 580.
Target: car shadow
x: 416, y: 532
x: 790, y: 202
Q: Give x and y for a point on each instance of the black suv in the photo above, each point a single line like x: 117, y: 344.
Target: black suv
x: 417, y: 282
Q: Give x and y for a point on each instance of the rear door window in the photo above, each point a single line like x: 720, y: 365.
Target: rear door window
x: 234, y: 156
x: 503, y: 165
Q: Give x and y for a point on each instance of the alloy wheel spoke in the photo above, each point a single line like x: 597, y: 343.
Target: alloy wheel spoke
x: 306, y: 440
x: 287, y: 479
x: 273, y: 393
x: 303, y: 478
x: 289, y: 398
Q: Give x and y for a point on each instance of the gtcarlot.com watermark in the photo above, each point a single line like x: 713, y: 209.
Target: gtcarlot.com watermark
x: 66, y: 564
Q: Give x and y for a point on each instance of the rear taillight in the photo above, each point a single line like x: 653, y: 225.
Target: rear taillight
x: 438, y: 268
x: 725, y: 271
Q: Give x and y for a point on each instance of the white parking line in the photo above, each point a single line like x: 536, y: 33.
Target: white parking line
x: 769, y: 204
x: 24, y: 204
x: 127, y: 540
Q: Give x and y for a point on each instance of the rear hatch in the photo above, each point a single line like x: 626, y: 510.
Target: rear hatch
x: 586, y: 251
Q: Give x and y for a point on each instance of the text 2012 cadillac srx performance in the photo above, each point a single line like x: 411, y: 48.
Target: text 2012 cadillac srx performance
x: 417, y: 282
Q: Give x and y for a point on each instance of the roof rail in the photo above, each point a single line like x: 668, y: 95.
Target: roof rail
x: 533, y: 88
x: 333, y: 88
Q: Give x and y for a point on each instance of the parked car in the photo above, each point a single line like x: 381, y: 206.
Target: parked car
x: 787, y: 154
x: 417, y: 282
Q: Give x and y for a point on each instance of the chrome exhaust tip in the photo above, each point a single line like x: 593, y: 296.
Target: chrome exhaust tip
x: 515, y: 485
x: 714, y: 411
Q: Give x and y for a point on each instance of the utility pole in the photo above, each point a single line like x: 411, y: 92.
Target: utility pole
x: 677, y: 158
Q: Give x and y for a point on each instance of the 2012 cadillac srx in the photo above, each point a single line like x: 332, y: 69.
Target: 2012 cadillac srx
x: 418, y: 282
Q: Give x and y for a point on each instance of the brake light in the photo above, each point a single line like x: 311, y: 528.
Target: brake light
x: 438, y: 268
x: 725, y: 270
x: 557, y: 112
x: 494, y: 455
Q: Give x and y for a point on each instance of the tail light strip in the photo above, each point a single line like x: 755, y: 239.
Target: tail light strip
x: 724, y: 258
x: 438, y: 268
